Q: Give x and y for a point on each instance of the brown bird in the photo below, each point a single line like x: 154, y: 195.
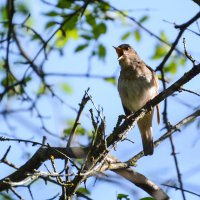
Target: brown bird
x: 137, y: 84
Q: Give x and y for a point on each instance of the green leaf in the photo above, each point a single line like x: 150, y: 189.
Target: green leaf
x: 81, y: 47
x: 28, y: 79
x: 90, y: 19
x: 144, y: 18
x: 8, y: 80
x: 160, y: 51
x: 147, y: 198
x: 163, y: 36
x: 64, y: 4
x: 22, y: 8
x: 79, y: 131
x: 111, y: 80
x: 51, y: 14
x: 102, y: 28
x: 68, y: 31
x: 41, y: 90
x: 50, y: 24
x: 104, y: 7
x: 137, y: 35
x: 182, y: 61
x: 61, y: 39
x: 2, y: 63
x: 101, y: 51
x: 86, y: 37
x: 125, y: 36
x: 99, y: 29
x: 67, y: 131
x: 171, y: 67
x: 70, y: 24
x: 83, y: 190
x: 122, y: 196
x: 66, y: 88
x: 3, y: 13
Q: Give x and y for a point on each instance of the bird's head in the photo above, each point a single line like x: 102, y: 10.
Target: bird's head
x: 123, y: 50
x: 126, y: 55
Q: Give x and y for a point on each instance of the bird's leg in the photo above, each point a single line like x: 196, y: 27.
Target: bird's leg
x: 149, y: 105
x: 128, y: 114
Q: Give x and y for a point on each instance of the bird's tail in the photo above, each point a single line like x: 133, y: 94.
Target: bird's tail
x: 145, y: 127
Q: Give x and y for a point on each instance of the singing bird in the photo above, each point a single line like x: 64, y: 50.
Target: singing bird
x: 137, y: 85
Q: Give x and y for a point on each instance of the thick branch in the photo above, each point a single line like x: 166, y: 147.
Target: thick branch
x: 44, y: 153
x: 111, y: 163
x: 121, y: 131
x: 167, y: 135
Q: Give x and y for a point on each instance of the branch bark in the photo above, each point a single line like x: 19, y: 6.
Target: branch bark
x: 119, y: 132
x: 111, y: 163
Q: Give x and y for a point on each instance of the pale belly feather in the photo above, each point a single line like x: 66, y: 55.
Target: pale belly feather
x: 136, y: 93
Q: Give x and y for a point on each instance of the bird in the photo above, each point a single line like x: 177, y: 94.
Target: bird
x: 137, y: 85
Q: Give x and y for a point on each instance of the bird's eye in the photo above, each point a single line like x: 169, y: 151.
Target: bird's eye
x: 126, y: 48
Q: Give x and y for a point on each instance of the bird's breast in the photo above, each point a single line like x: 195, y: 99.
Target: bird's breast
x: 136, y: 92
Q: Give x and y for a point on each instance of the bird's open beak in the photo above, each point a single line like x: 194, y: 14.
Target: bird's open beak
x: 119, y: 51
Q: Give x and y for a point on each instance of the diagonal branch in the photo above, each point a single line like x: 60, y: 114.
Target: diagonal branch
x: 119, y: 132
x: 173, y: 129
x: 117, y: 135
x: 111, y: 163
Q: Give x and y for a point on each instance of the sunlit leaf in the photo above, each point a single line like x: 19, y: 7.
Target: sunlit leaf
x: 61, y: 40
x: 66, y: 88
x: 111, y: 80
x: 137, y: 35
x: 163, y: 36
x: 41, y: 90
x: 182, y: 61
x: 147, y: 198
x: 171, y: 67
x: 160, y: 51
x: 79, y: 131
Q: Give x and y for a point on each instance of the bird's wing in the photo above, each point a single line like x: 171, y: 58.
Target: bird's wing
x: 158, y: 113
x: 155, y: 78
x: 156, y: 82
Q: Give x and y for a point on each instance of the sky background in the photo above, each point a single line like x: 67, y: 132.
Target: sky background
x: 159, y: 167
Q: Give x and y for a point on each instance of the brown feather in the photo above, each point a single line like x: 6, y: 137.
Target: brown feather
x: 158, y: 113
x: 145, y: 127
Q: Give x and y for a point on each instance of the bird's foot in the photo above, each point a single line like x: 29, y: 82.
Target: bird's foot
x: 149, y: 104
